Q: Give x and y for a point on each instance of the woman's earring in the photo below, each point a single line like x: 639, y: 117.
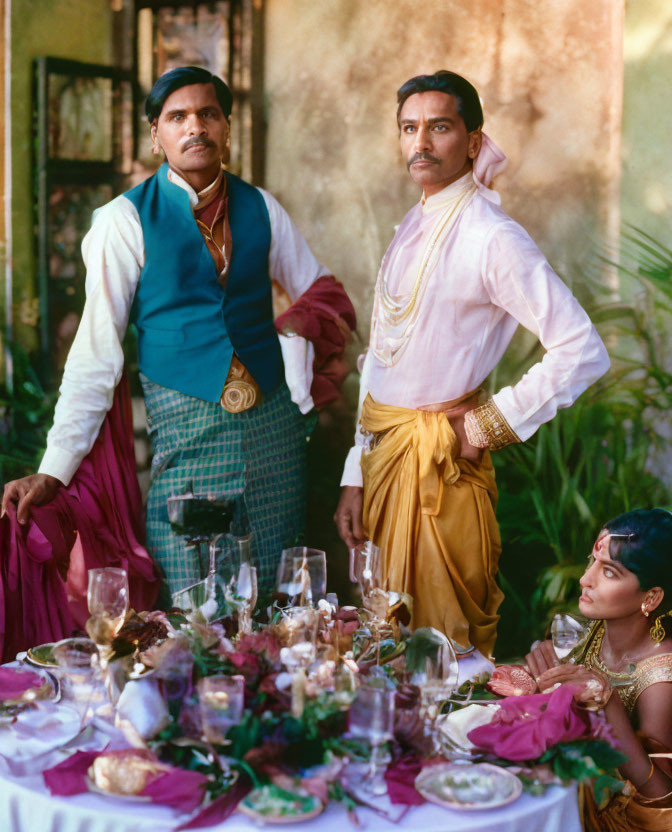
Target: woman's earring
x: 657, y: 632
x: 156, y: 149
x: 644, y: 609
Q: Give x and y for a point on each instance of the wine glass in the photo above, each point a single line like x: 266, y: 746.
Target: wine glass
x: 298, y: 633
x: 79, y: 678
x: 202, y: 518
x: 302, y: 575
x: 107, y: 599
x: 437, y: 680
x: 372, y: 718
x: 365, y: 566
x: 221, y: 703
x: 566, y: 634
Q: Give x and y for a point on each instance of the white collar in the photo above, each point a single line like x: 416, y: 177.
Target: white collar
x: 448, y: 194
x: 195, y: 198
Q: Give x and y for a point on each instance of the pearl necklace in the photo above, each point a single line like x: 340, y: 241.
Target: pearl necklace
x: 390, y: 313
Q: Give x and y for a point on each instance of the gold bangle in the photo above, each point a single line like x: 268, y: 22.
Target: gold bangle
x: 494, y: 426
x: 653, y: 768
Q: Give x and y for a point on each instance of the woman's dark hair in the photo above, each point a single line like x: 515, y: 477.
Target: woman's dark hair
x: 641, y: 540
x: 468, y: 102
x: 183, y: 76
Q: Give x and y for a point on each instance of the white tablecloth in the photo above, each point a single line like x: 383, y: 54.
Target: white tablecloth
x: 26, y: 806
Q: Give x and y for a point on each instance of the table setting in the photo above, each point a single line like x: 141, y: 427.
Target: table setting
x: 226, y: 711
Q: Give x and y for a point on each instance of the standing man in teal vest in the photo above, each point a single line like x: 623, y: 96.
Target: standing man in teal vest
x: 188, y: 257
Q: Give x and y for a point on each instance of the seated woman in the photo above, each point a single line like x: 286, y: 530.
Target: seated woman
x: 627, y: 592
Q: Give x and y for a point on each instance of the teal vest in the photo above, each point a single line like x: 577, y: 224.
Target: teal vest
x: 188, y: 326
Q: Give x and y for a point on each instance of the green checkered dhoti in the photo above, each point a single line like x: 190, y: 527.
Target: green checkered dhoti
x: 198, y: 445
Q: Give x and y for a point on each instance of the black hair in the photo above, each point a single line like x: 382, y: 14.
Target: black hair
x: 468, y: 102
x: 641, y: 540
x: 183, y: 76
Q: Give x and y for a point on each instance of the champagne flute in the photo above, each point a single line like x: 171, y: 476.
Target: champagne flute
x: 372, y: 718
x: 246, y: 589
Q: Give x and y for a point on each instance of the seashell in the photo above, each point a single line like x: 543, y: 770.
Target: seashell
x: 512, y: 680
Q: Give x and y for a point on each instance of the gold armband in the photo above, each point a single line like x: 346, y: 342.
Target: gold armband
x: 494, y: 426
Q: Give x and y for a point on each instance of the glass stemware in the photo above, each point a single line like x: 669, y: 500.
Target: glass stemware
x: 372, y: 718
x: 107, y: 599
x: 365, y: 567
x: 221, y: 703
x: 246, y: 590
x: 566, y: 634
x: 202, y: 519
x: 79, y: 675
x: 437, y: 681
x: 298, y: 632
x: 302, y: 575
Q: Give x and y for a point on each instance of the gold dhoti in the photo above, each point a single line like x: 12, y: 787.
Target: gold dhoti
x: 433, y: 516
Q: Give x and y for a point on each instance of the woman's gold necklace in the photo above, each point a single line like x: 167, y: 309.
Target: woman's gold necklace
x: 594, y: 658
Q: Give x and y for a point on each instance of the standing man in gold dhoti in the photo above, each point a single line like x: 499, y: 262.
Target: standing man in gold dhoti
x: 455, y: 282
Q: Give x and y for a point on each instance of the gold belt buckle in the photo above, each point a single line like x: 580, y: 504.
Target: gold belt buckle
x: 238, y: 396
x: 240, y: 391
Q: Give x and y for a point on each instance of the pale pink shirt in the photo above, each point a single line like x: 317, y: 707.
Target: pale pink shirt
x: 489, y: 277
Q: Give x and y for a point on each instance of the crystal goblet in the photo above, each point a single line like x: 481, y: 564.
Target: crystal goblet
x: 372, y: 718
x: 302, y: 575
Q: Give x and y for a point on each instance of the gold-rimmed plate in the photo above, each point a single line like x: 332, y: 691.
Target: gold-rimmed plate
x: 271, y: 804
x: 468, y: 786
x: 42, y: 655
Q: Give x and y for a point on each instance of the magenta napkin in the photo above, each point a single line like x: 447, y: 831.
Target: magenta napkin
x: 400, y: 779
x: 14, y: 682
x: 524, y: 727
x: 220, y: 809
x: 69, y: 777
x: 179, y: 789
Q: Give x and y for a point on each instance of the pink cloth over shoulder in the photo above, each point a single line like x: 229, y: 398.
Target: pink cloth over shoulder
x: 490, y: 162
x: 95, y: 521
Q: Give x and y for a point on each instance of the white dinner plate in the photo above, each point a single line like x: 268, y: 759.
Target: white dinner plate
x: 467, y: 786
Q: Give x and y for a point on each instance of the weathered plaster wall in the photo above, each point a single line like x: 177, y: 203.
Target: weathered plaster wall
x: 647, y: 118
x: 549, y: 74
x: 77, y: 29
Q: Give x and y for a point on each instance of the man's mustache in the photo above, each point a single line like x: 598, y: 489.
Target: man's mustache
x: 427, y: 157
x: 197, y: 140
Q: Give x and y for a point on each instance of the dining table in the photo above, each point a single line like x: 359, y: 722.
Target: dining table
x: 48, y: 736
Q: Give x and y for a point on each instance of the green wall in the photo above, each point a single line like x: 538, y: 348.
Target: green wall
x: 76, y: 29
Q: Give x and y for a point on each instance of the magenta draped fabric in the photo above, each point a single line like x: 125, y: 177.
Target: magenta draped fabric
x: 98, y: 520
x: 323, y: 315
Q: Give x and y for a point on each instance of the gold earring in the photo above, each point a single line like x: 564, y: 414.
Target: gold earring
x: 657, y: 632
x: 644, y: 609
